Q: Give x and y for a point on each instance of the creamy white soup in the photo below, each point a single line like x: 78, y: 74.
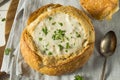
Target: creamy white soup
x: 59, y: 34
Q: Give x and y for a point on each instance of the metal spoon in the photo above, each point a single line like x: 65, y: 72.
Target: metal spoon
x: 107, y: 48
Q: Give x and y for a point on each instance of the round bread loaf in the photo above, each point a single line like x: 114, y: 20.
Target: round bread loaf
x: 57, y: 39
x: 100, y: 9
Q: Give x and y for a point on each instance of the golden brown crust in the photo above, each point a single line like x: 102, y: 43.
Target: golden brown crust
x: 41, y: 10
x: 29, y: 55
x: 100, y: 9
x: 56, y: 65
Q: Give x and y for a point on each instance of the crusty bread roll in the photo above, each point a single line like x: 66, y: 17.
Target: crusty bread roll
x: 100, y: 9
x: 57, y: 39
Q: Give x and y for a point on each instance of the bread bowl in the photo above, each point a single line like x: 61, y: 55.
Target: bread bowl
x: 100, y: 9
x: 57, y: 39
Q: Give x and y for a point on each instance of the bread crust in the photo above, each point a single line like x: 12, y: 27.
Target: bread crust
x: 102, y: 9
x: 41, y: 10
x: 56, y: 65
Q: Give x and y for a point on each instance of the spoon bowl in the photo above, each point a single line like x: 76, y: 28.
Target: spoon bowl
x: 108, y: 44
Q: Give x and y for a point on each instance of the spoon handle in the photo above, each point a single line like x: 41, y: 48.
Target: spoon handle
x: 103, y: 70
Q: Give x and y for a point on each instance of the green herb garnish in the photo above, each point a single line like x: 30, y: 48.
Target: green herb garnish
x: 77, y: 34
x: 66, y: 50
x: 47, y: 45
x: 50, y: 18
x: 7, y: 51
x: 74, y: 43
x: 40, y: 39
x: 50, y: 53
x: 78, y: 77
x: 53, y: 23
x: 68, y: 46
x: 61, y: 24
x: 67, y: 38
x: 3, y: 19
x: 59, y: 35
x: 45, y: 50
x: 60, y: 47
x: 45, y: 30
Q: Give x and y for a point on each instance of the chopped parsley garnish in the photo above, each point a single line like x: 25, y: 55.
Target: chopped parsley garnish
x: 50, y: 18
x: 68, y: 45
x: 59, y: 35
x: 45, y: 50
x: 67, y: 38
x: 50, y: 53
x: 60, y: 47
x: 78, y: 77
x: 47, y: 45
x: 3, y: 19
x: 45, y: 30
x: 66, y: 50
x: 7, y: 51
x: 53, y: 23
x: 61, y: 24
x: 77, y: 34
x: 74, y: 43
x: 40, y: 39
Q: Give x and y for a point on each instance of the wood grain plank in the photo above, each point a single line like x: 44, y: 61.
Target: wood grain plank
x: 10, y: 15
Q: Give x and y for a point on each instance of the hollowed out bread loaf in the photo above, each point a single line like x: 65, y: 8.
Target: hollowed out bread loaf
x: 57, y: 39
x: 100, y: 9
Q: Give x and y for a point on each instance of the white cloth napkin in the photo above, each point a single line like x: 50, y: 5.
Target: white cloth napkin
x: 14, y: 63
x: 2, y: 34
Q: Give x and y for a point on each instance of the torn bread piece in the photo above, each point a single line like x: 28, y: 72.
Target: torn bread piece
x: 100, y: 9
